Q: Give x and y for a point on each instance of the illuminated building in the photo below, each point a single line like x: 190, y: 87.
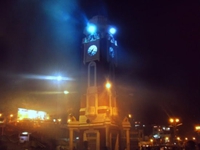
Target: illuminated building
x: 161, y: 134
x: 27, y: 114
x: 98, y: 125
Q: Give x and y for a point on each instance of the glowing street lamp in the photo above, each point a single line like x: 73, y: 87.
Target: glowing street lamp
x: 197, y: 128
x: 151, y: 140
x: 11, y: 115
x: 59, y: 120
x: 108, y: 85
x: 59, y: 80
x: 166, y: 139
x: 186, y: 138
x: 175, y: 122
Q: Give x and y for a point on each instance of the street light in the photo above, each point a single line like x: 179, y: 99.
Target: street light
x: 108, y: 87
x: 11, y: 115
x: 175, y: 122
x: 197, y: 129
x: 59, y: 81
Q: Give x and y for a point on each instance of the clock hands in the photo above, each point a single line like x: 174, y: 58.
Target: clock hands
x: 91, y: 51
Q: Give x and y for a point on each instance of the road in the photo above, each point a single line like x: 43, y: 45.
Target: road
x: 43, y: 137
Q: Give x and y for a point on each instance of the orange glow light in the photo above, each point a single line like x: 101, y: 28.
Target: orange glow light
x: 108, y: 85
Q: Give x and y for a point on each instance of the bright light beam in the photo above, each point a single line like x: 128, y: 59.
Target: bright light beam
x: 42, y: 77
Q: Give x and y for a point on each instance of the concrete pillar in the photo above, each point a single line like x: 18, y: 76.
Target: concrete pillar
x: 107, y: 136
x: 71, y: 139
x: 127, y: 139
x: 117, y: 142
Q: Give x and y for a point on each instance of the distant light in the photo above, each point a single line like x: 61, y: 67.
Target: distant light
x: 129, y: 115
x: 25, y: 133
x: 59, y: 78
x: 66, y: 92
x: 91, y: 28
x: 112, y: 30
x: 197, y: 128
x: 156, y: 136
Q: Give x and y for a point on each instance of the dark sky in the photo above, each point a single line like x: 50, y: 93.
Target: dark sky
x: 159, y: 50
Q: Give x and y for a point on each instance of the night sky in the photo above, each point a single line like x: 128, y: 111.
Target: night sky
x: 159, y: 48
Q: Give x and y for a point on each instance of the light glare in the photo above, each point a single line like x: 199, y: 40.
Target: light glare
x: 59, y: 78
x: 43, y: 77
x: 108, y: 85
x: 66, y: 92
x: 91, y: 28
x: 112, y: 30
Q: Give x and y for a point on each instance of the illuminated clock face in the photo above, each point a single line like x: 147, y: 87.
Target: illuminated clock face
x: 92, y: 50
x: 111, y: 52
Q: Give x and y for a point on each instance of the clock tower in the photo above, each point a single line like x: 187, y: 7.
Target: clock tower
x: 99, y: 61
x: 98, y: 125
x: 98, y: 112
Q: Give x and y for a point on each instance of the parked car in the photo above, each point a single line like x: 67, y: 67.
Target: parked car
x: 24, y: 137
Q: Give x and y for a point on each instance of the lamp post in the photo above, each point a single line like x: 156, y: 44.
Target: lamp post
x: 59, y: 80
x: 108, y: 87
x: 11, y: 116
x: 197, y: 129
x: 174, y: 122
x: 109, y: 112
x: 65, y: 92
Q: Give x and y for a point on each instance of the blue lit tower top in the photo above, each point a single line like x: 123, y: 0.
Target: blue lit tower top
x: 99, y: 62
x: 98, y: 28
